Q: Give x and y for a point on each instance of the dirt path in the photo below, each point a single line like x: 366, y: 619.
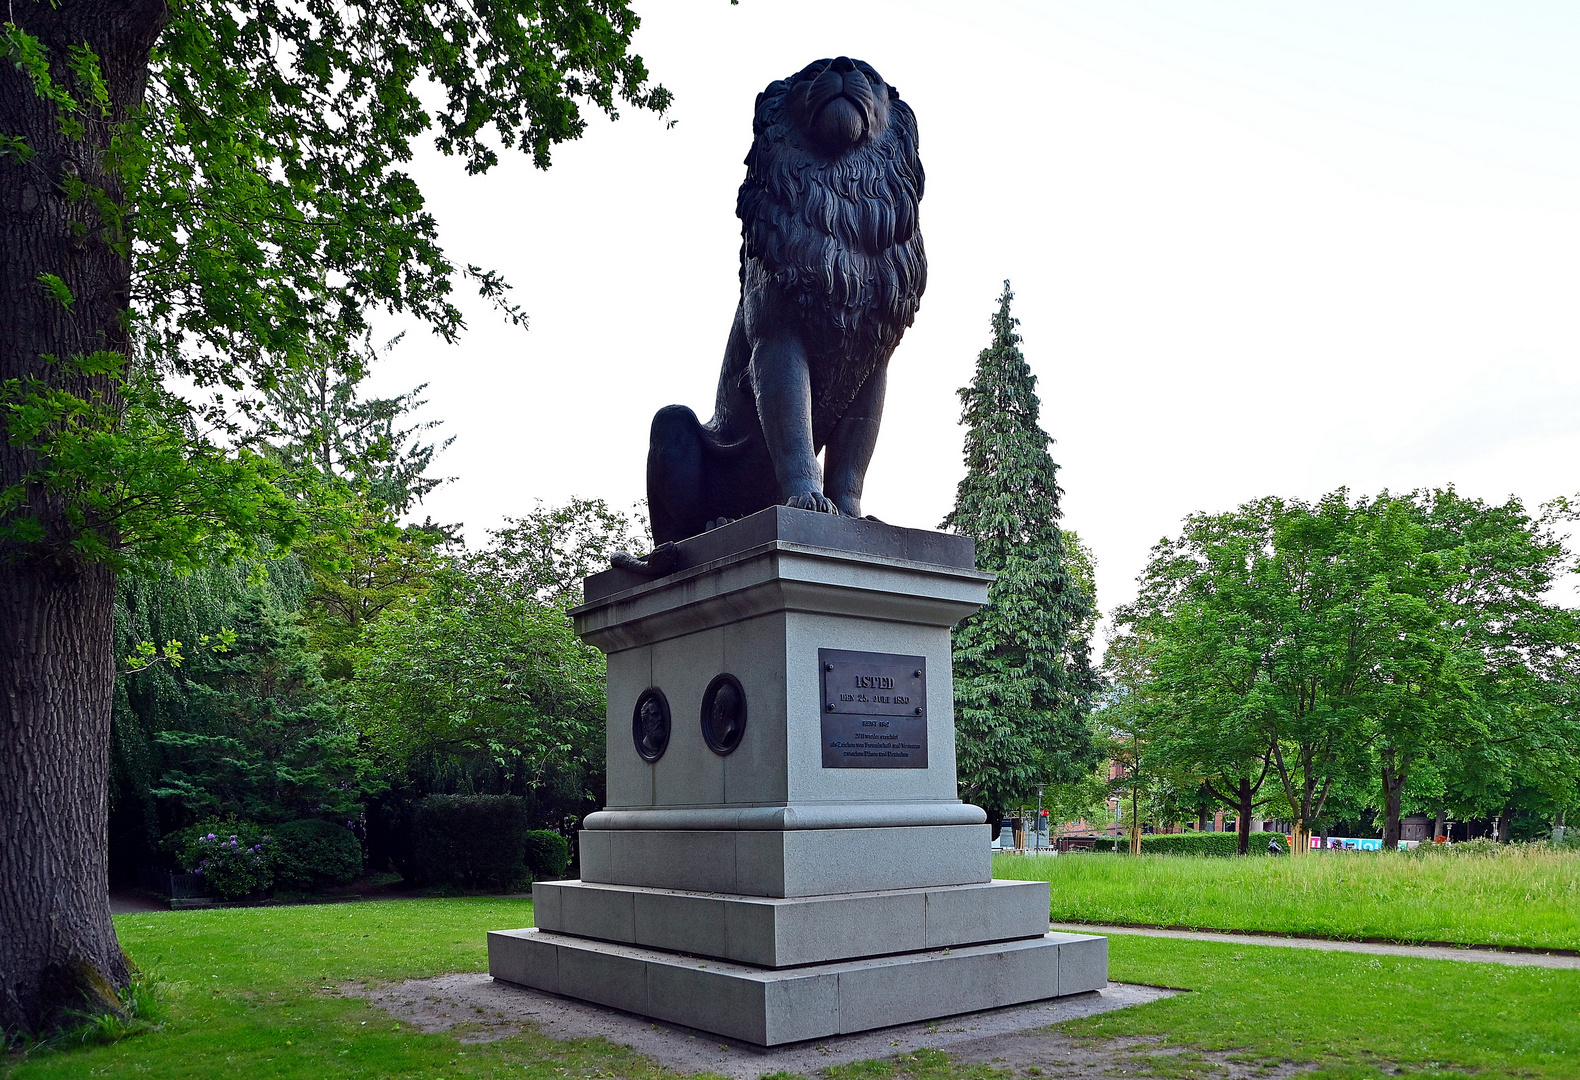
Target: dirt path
x: 1419, y: 952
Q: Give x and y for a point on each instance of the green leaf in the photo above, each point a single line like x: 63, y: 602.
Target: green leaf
x: 57, y: 289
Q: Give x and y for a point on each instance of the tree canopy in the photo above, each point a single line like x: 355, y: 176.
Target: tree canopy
x: 248, y: 165
x: 1403, y: 644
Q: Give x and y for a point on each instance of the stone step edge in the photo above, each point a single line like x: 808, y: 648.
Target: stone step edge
x: 783, y: 932
x: 771, y: 1007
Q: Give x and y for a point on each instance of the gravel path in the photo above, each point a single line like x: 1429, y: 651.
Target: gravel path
x: 475, y: 1008
x: 1419, y: 952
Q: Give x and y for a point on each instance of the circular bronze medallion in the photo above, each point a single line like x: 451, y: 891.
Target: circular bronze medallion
x: 650, y: 724
x: 723, y: 714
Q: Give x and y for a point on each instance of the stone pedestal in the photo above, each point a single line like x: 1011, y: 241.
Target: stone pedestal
x: 783, y: 855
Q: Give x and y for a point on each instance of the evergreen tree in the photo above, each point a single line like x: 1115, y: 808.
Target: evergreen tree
x: 315, y: 420
x: 155, y: 605
x: 262, y: 737
x: 357, y: 459
x: 1023, y: 678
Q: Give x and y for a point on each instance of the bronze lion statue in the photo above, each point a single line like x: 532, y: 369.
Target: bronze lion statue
x: 832, y: 272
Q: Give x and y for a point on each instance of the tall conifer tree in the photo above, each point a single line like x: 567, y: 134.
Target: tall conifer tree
x: 1023, y: 678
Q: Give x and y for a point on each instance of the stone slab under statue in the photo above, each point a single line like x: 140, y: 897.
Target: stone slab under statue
x: 784, y: 855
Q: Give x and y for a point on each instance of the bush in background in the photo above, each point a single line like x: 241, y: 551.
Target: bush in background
x: 230, y: 865
x: 179, y: 843
x: 315, y: 853
x: 1213, y: 843
x: 548, y: 854
x: 1487, y: 848
x: 474, y: 841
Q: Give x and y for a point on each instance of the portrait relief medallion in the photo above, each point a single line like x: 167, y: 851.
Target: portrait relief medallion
x: 723, y: 714
x: 650, y: 724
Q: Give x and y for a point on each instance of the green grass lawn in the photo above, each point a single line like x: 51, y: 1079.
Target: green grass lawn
x: 1522, y: 896
x: 250, y: 993
x: 1359, y: 1015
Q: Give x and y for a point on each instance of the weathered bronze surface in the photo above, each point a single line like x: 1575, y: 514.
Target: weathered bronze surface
x: 874, y: 710
x: 650, y: 724
x: 723, y: 714
x: 832, y: 273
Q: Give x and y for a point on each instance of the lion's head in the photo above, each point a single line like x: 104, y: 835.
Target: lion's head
x: 836, y: 105
x: 829, y: 205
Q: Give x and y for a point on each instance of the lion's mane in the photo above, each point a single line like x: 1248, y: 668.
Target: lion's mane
x: 836, y: 238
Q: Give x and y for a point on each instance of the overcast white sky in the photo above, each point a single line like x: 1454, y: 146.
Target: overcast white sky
x: 1258, y: 248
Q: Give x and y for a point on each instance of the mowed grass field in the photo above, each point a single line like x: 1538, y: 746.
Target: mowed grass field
x: 1524, y: 896
x: 258, y: 993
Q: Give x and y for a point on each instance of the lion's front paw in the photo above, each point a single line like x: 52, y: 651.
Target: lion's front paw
x: 815, y: 501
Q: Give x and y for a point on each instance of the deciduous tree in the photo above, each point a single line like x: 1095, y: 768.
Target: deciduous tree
x: 479, y: 683
x: 1401, y: 638
x: 219, y: 185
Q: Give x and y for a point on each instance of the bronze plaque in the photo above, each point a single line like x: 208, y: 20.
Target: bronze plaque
x: 874, y: 710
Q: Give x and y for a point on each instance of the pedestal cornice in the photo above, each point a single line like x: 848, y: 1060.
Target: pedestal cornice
x: 781, y: 576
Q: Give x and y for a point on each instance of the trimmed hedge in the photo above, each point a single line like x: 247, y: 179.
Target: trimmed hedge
x: 1196, y: 843
x: 474, y: 841
x: 548, y: 854
x: 313, y: 853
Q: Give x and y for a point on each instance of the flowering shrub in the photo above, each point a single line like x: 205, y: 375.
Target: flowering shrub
x: 229, y: 866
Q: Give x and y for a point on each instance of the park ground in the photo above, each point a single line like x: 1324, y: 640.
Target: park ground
x: 263, y: 992
x: 1516, y: 896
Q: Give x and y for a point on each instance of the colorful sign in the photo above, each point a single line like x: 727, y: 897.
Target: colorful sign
x: 1347, y: 843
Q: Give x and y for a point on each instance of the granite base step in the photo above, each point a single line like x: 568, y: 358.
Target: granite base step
x: 770, y: 1007
x: 790, y: 931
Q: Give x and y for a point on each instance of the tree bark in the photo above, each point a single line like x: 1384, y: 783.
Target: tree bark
x: 1393, y: 779
x: 1135, y: 810
x: 1505, y: 823
x: 1308, y: 804
x: 1241, y: 798
x: 1242, y: 827
x: 58, y: 952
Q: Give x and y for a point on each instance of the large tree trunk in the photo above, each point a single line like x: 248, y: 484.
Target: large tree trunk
x: 57, y: 947
x: 58, y: 951
x: 1393, y: 779
x: 1505, y: 823
x: 1242, y: 827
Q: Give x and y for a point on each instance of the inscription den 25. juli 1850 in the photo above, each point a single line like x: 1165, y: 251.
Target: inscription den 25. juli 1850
x: 874, y: 710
